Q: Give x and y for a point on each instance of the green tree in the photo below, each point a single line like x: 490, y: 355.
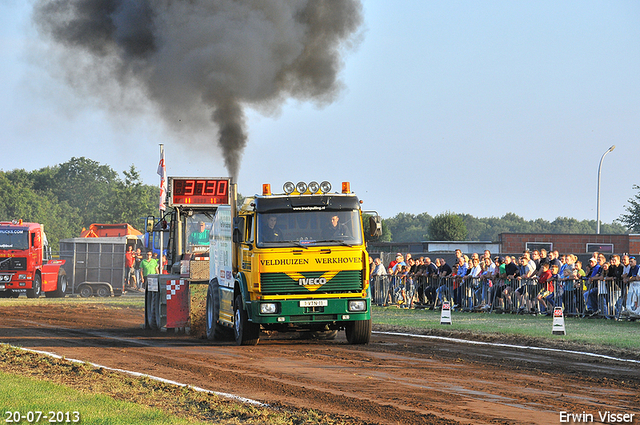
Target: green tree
x: 632, y: 219
x: 447, y: 227
x: 406, y: 227
x: 19, y: 201
x: 131, y: 201
x: 84, y: 184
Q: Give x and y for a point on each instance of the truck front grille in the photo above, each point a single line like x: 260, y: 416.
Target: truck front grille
x: 282, y: 284
x: 15, y: 263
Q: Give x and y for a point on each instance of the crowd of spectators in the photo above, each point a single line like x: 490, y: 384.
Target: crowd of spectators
x: 608, y: 287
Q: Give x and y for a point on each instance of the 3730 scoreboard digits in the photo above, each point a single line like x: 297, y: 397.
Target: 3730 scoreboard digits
x: 198, y: 192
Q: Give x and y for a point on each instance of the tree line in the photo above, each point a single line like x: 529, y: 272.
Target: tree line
x: 448, y: 226
x: 73, y: 195
x: 79, y: 192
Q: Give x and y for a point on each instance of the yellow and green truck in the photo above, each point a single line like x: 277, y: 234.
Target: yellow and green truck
x: 294, y: 261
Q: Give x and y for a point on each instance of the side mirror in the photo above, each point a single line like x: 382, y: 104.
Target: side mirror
x: 238, y: 229
x: 149, y: 224
x: 375, y: 226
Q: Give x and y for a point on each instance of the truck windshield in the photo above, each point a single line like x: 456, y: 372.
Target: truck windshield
x: 198, y: 227
x: 309, y: 228
x: 14, y: 239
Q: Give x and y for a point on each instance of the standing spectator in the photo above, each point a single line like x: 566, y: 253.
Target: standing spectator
x: 553, y: 259
x: 137, y: 268
x: 633, y: 293
x: 527, y: 269
x: 393, y: 263
x: 458, y: 255
x: 543, y: 255
x: 149, y: 266
x: 591, y: 296
x: 445, y: 269
x: 626, y: 265
x: 614, y: 287
x: 130, y: 262
x: 431, y: 275
x: 457, y: 282
x: 535, y: 256
x: 378, y: 268
x: 164, y: 264
x: 485, y: 283
x: 545, y: 296
x: 472, y: 281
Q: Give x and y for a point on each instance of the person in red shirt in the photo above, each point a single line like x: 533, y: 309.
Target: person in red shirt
x: 130, y: 262
x: 545, y: 296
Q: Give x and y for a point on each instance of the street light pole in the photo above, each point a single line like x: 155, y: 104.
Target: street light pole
x: 599, y: 167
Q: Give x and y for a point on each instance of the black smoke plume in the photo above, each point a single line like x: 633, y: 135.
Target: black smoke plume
x: 203, y: 61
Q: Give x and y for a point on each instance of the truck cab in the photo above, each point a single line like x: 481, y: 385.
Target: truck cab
x: 300, y: 265
x: 25, y: 262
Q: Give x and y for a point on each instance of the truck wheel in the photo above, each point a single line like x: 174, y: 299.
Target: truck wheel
x: 215, y: 331
x: 246, y: 332
x: 103, y: 291
x: 358, y: 332
x: 36, y: 288
x: 61, y: 290
x: 149, y: 311
x: 86, y: 291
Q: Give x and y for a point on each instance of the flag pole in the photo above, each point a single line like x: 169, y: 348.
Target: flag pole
x: 163, y: 187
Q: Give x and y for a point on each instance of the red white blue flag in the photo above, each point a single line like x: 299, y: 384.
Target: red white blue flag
x: 162, y: 172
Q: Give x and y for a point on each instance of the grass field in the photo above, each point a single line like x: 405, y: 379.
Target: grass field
x: 102, y: 397
x: 42, y: 401
x: 599, y: 332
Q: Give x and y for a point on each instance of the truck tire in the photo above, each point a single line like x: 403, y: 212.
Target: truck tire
x: 215, y: 331
x: 86, y: 291
x: 358, y: 332
x: 103, y: 291
x: 246, y: 332
x: 36, y: 288
x: 150, y: 318
x: 61, y: 289
x: 152, y: 310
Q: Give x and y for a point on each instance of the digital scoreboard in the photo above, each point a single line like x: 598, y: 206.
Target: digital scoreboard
x: 198, y: 192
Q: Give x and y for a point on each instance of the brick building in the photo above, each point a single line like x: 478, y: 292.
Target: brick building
x: 571, y: 243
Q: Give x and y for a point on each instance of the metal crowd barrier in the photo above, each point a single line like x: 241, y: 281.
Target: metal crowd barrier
x: 605, y: 298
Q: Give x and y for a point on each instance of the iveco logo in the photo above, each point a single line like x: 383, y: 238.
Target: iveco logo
x: 312, y: 281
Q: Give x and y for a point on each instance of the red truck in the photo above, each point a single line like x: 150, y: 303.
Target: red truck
x: 25, y: 262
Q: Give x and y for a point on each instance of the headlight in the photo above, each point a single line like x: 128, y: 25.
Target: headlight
x: 268, y: 308
x: 314, y: 187
x: 288, y: 187
x: 357, y: 305
x: 301, y: 187
x: 325, y: 187
x: 22, y: 276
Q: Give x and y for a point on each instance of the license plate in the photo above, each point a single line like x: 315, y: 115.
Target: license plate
x: 314, y: 303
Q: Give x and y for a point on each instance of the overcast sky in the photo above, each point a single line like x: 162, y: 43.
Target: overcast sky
x: 471, y: 107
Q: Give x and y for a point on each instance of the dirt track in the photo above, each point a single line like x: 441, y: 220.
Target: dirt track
x: 393, y: 380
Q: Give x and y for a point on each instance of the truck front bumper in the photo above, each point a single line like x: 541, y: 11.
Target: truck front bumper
x: 311, y: 310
